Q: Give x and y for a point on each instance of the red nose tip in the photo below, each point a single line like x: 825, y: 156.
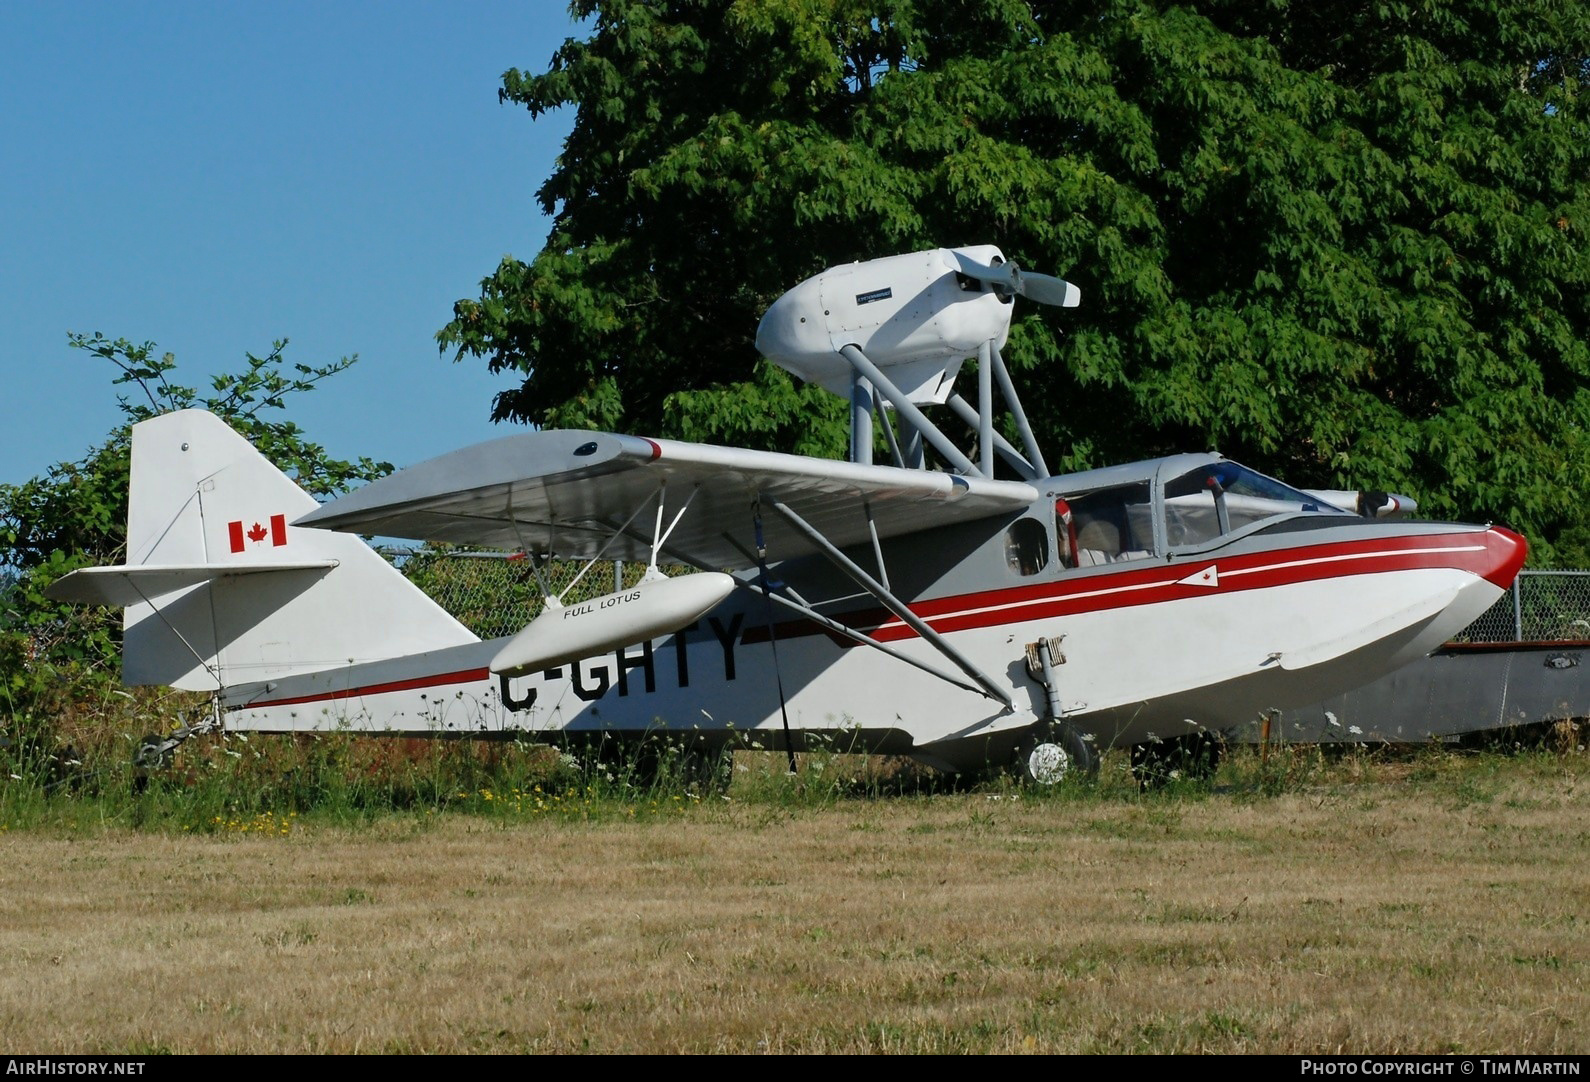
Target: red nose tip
x: 1504, y: 556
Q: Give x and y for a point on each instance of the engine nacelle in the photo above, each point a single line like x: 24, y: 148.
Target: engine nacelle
x: 916, y: 317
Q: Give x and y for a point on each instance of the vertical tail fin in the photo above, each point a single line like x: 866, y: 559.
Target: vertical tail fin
x: 221, y: 589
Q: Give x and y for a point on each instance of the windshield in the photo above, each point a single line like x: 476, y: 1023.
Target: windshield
x: 1217, y: 499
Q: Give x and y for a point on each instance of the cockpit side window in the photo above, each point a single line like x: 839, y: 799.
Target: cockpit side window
x: 1027, y: 546
x: 1112, y: 524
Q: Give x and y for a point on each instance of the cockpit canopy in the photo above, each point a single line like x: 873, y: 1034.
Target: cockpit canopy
x: 1208, y: 502
x: 1177, y: 504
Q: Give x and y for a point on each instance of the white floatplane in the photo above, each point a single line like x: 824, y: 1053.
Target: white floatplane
x: 926, y: 608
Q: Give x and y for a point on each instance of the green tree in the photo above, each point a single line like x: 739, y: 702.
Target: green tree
x: 1345, y: 242
x: 75, y: 515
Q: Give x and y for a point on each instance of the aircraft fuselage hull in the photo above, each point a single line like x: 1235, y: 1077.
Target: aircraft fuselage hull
x: 1151, y: 648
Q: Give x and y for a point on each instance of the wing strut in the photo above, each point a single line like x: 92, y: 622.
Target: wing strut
x: 616, y: 535
x: 907, y: 409
x: 895, y: 454
x: 1008, y: 391
x: 798, y: 604
x: 877, y: 549
x: 772, y: 632
x: 966, y: 412
x: 894, y: 605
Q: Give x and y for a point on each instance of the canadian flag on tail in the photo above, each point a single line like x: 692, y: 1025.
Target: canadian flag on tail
x: 243, y: 536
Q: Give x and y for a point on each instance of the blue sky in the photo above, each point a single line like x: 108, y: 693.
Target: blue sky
x: 212, y: 177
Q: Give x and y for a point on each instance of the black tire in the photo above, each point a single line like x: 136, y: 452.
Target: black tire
x: 152, y: 753
x: 1052, y: 753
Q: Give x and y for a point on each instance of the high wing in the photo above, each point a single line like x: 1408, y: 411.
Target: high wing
x: 567, y: 493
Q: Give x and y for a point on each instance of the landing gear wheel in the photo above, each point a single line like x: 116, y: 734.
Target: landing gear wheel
x: 154, y: 752
x: 1052, y: 753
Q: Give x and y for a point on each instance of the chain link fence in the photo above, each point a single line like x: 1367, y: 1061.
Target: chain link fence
x: 1542, y: 606
x: 493, y: 594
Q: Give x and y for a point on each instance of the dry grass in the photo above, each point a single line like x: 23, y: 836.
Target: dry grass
x: 1428, y: 908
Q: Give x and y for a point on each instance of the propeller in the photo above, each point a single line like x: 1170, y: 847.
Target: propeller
x: 1008, y: 278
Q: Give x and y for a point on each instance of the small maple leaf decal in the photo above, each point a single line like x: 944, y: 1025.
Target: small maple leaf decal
x: 257, y: 533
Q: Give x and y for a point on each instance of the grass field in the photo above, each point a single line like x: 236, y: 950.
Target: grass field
x: 1428, y: 902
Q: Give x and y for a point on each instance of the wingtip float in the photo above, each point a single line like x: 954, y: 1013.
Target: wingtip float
x: 652, y: 608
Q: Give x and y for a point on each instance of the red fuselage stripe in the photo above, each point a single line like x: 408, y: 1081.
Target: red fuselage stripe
x: 463, y: 676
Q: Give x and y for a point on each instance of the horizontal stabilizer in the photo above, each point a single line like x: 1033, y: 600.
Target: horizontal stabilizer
x: 126, y: 584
